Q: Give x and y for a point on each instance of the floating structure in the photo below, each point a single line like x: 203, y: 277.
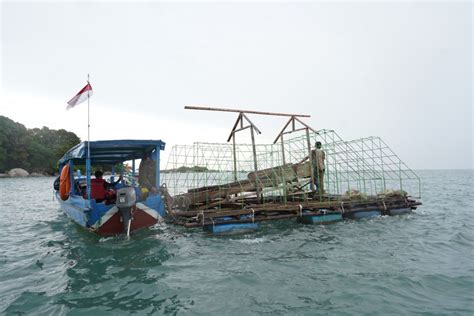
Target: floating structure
x: 234, y: 185
x: 228, y: 186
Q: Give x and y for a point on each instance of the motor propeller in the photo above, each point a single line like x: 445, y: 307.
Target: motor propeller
x: 126, y: 201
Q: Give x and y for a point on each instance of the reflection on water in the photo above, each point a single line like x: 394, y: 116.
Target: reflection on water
x: 421, y: 262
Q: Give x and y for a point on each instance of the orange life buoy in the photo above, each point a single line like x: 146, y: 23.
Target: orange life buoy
x: 64, y: 183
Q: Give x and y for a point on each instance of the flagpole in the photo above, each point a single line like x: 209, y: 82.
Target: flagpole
x: 88, y: 121
x: 88, y: 143
x: 79, y: 98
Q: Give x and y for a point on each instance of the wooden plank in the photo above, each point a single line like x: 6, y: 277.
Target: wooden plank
x: 281, y: 133
x: 273, y: 211
x: 275, y: 175
x: 239, y: 119
x: 204, y: 108
x: 251, y: 123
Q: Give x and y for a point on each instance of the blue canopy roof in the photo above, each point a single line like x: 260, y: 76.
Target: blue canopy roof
x: 111, y: 152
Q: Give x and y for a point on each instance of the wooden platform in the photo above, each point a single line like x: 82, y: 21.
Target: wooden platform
x: 250, y: 211
x: 241, y: 202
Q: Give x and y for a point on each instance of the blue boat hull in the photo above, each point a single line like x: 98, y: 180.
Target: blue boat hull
x: 107, y: 219
x: 75, y: 208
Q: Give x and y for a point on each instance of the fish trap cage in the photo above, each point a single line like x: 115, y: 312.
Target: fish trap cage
x: 365, y: 166
x: 214, y: 175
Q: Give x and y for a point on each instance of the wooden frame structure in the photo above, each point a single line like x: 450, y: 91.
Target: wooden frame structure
x: 363, y: 178
x: 293, y: 120
x: 239, y: 126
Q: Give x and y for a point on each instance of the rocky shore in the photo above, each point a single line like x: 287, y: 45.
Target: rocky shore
x: 22, y: 173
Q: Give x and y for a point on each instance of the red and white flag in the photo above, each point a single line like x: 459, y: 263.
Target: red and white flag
x: 80, y: 97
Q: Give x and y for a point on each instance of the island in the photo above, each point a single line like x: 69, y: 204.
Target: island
x: 31, y: 152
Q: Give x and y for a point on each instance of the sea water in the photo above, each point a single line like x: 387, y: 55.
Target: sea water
x: 420, y: 263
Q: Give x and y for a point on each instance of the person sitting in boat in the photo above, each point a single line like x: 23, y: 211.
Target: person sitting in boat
x: 102, y: 190
x: 147, y: 175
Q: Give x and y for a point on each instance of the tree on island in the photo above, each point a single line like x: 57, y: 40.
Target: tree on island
x: 36, y: 150
x: 184, y: 169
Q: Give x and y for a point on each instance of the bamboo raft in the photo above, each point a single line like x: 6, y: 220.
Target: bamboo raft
x: 282, y: 185
x: 238, y: 202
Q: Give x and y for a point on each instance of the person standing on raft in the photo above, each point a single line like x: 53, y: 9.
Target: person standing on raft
x: 318, y: 156
x: 317, y: 161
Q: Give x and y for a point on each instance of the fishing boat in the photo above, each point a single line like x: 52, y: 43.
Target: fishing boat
x: 128, y: 207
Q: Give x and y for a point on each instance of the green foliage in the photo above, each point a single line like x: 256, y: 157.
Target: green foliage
x: 184, y: 169
x: 36, y: 150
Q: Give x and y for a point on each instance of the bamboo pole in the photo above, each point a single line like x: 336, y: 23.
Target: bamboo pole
x: 311, y: 167
x: 203, y: 108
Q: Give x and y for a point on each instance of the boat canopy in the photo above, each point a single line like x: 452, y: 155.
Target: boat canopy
x: 111, y: 152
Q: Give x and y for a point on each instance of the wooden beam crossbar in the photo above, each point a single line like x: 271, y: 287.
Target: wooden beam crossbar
x: 239, y: 119
x: 252, y: 124
x: 283, y: 130
x: 241, y: 129
x: 295, y: 130
x: 306, y: 125
x: 243, y: 111
x: 293, y: 120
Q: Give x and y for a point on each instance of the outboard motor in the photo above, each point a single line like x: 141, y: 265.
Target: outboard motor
x: 126, y: 200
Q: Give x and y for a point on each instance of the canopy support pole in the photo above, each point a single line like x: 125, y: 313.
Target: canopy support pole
x: 157, y: 174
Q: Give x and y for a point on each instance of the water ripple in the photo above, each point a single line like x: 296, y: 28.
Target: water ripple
x: 420, y: 263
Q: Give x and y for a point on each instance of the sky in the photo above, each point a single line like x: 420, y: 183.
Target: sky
x: 398, y: 70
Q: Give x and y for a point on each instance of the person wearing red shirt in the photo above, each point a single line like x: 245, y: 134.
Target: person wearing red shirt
x: 100, y: 189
